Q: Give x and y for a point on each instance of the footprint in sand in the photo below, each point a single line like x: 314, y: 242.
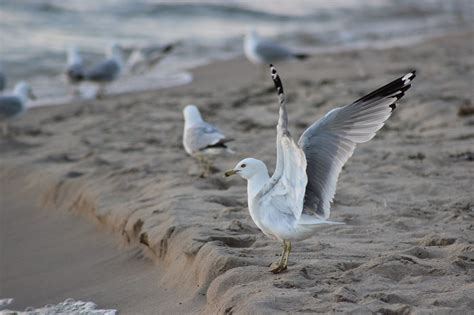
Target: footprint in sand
x: 237, y: 241
x: 226, y: 201
x: 212, y: 183
x: 437, y: 240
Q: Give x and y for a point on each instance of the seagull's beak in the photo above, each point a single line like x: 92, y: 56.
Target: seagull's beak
x: 230, y: 173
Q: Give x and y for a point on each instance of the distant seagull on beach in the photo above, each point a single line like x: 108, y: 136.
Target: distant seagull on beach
x: 291, y: 204
x: 263, y: 51
x: 75, y: 67
x: 201, y: 139
x: 108, y: 70
x: 143, y: 59
x: 14, y: 105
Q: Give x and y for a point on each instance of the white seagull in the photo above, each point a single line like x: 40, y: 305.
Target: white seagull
x: 201, y: 138
x: 75, y: 67
x: 291, y: 204
x: 108, y: 70
x: 12, y: 106
x: 259, y: 50
x: 145, y: 58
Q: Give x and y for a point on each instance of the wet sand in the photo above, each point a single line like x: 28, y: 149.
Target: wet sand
x: 406, y: 196
x: 48, y: 256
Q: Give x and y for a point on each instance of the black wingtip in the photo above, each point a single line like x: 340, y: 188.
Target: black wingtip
x: 301, y: 56
x: 396, y: 88
x: 410, y: 75
x: 168, y: 48
x: 75, y: 75
x: 276, y: 80
x: 407, y: 77
x: 273, y: 70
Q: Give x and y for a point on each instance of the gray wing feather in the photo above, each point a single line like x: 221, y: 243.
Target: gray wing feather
x: 201, y: 136
x: 105, y: 71
x: 272, y: 51
x: 330, y: 142
x: 10, y: 106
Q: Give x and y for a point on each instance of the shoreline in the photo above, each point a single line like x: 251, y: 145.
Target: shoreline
x: 84, y: 263
x: 126, y: 151
x: 130, y: 84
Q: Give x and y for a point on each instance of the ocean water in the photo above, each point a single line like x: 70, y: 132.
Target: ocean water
x: 35, y: 33
x: 69, y: 306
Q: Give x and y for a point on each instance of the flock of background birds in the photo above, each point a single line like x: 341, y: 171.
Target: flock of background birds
x: 257, y: 49
x: 296, y: 199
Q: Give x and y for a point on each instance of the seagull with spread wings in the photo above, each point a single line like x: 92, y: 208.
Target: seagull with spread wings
x: 291, y: 204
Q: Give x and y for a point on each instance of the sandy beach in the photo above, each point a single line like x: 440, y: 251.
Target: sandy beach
x: 49, y: 256
x: 107, y: 206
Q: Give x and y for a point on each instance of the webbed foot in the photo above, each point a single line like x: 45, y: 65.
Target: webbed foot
x: 278, y: 267
x: 282, y: 264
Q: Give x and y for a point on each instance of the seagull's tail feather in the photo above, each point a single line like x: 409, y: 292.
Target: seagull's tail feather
x: 311, y: 220
x: 301, y: 56
x: 78, y: 76
x: 222, y: 143
x: 168, y: 48
x: 75, y: 73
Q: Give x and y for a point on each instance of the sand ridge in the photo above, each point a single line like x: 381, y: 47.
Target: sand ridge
x: 406, y: 196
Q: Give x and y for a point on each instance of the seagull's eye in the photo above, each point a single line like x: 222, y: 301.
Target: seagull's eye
x: 243, y: 166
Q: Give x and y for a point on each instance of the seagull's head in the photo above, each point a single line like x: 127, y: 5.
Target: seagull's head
x: 191, y: 114
x: 24, y: 90
x: 251, y: 34
x: 248, y: 168
x: 73, y: 56
x: 115, y: 51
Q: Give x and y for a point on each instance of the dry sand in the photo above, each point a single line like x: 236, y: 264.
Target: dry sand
x: 406, y: 196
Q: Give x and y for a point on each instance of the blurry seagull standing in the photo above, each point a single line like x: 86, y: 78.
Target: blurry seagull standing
x: 144, y: 59
x: 75, y: 67
x: 108, y: 70
x: 201, y: 139
x: 262, y: 51
x: 290, y: 205
x: 14, y: 105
